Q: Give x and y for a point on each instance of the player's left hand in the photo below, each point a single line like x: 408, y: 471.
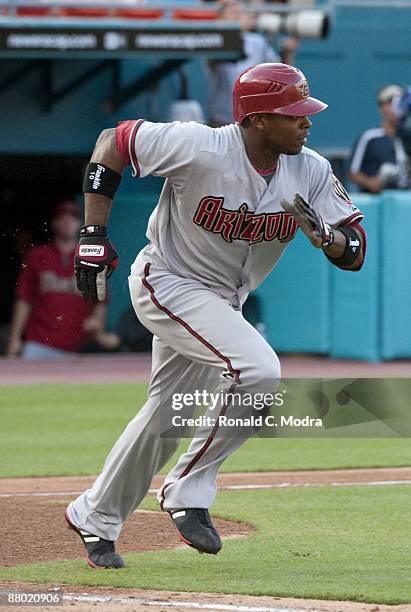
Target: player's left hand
x: 94, y: 261
x: 319, y: 233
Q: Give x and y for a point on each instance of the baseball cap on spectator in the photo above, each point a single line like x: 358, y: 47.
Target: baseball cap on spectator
x: 388, y: 92
x: 67, y: 206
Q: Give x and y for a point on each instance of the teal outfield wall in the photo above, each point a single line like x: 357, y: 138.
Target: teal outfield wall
x: 128, y: 226
x: 366, y: 49
x: 74, y: 122
x: 308, y: 305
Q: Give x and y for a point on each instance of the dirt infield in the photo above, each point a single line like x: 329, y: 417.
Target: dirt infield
x: 73, y: 485
x: 40, y: 515
x: 35, y: 506
x: 83, y: 599
x: 133, y: 367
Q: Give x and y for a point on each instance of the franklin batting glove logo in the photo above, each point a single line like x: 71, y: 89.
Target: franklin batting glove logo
x: 95, y: 177
x: 90, y: 250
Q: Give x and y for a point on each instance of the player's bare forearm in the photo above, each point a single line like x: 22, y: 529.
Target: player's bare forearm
x: 97, y: 206
x: 337, y: 248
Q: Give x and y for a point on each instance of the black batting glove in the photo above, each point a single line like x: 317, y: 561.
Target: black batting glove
x: 94, y: 261
x: 319, y: 233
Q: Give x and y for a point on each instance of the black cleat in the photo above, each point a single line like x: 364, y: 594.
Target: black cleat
x: 101, y: 554
x: 194, y: 527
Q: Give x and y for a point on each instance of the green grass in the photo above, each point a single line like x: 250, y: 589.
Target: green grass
x: 62, y: 430
x: 67, y: 430
x: 327, y: 543
x: 349, y: 543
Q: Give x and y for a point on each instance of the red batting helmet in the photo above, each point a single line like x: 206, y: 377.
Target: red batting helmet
x: 273, y: 88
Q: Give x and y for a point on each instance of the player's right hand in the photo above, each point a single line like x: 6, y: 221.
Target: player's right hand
x: 94, y: 261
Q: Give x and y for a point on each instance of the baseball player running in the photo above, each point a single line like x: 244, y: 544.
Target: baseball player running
x: 232, y: 201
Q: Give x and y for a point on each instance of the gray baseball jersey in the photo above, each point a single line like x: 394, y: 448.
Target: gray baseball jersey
x: 217, y: 220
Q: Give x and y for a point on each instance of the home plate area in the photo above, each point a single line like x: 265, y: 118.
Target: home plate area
x: 35, y: 506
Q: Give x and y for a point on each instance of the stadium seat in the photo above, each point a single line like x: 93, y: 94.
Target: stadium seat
x: 69, y: 11
x: 33, y: 11
x: 139, y: 13
x: 195, y: 14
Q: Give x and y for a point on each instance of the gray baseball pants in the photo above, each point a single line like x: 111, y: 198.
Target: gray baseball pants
x: 199, y: 340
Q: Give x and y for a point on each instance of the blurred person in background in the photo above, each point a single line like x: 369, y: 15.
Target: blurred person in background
x: 257, y: 50
x: 378, y: 159
x: 50, y: 317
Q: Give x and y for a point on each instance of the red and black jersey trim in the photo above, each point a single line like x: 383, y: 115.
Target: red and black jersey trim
x: 125, y: 136
x: 132, y: 150
x: 356, y: 217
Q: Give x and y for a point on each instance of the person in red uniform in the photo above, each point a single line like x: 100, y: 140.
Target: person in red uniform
x: 50, y: 317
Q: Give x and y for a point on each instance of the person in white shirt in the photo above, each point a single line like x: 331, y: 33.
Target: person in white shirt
x: 257, y: 50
